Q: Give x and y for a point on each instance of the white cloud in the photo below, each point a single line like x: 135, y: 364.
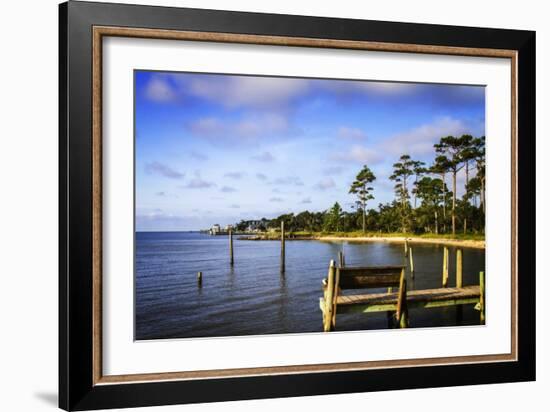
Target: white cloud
x: 265, y: 157
x: 159, y: 90
x: 352, y: 133
x: 198, y: 155
x: 235, y: 175
x: 259, y: 92
x: 370, y: 87
x: 359, y: 154
x: 238, y: 91
x: 198, y: 182
x: 390, y: 87
x: 288, y: 180
x: 325, y: 184
x: 420, y: 140
x: 250, y: 127
x: 206, y: 127
x: 417, y: 142
x: 163, y: 170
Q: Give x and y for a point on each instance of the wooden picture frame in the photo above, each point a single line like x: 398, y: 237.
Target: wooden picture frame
x: 82, y: 385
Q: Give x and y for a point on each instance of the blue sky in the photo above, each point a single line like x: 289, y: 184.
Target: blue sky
x: 221, y: 148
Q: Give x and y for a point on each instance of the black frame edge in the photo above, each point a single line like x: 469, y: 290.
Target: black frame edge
x: 76, y: 389
x: 63, y: 378
x: 526, y: 115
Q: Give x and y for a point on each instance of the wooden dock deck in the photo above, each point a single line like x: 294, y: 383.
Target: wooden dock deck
x: 427, y: 298
x: 397, y: 298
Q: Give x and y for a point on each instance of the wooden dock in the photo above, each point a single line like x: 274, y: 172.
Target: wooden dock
x: 396, y: 298
x: 427, y: 298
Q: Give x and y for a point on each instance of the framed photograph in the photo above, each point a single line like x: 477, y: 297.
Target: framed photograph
x: 256, y: 205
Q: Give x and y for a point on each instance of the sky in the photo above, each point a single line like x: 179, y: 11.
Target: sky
x: 215, y: 148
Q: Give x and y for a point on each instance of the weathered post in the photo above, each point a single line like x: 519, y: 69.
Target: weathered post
x: 406, y: 247
x: 404, y: 322
x: 402, y: 311
x: 341, y: 259
x: 411, y: 262
x: 445, y: 266
x: 459, y: 311
x: 199, y: 278
x: 459, y: 268
x: 283, y: 246
x: 329, y: 301
x: 231, y: 247
x: 482, y: 297
x: 390, y: 319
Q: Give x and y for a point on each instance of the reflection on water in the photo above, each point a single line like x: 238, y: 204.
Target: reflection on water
x: 253, y: 298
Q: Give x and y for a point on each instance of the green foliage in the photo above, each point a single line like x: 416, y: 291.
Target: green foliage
x: 332, y: 219
x: 402, y: 171
x: 439, y: 208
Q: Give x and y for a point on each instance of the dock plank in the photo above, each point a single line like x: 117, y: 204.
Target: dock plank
x: 412, y: 296
x: 427, y: 298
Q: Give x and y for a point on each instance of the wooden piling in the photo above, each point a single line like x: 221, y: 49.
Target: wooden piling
x: 459, y: 308
x: 334, y: 296
x: 459, y: 268
x: 390, y: 319
x: 329, y: 300
x: 341, y: 259
x: 411, y: 262
x: 445, y: 276
x: 482, y: 297
x: 283, y: 247
x: 199, y: 278
x: 231, y: 261
x: 406, y: 247
x: 404, y: 322
x: 402, y: 311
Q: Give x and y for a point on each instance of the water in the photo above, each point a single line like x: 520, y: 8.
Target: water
x: 253, y: 298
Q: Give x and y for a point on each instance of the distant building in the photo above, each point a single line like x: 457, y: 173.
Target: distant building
x: 215, y: 229
x: 254, y: 226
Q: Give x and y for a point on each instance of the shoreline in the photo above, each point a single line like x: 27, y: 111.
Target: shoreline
x: 469, y: 243
x: 476, y: 244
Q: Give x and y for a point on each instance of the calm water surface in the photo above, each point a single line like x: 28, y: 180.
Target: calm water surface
x: 253, y: 298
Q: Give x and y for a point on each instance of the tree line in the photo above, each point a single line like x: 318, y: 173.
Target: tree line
x: 423, y: 203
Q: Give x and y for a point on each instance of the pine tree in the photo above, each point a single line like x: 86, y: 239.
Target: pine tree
x: 361, y: 188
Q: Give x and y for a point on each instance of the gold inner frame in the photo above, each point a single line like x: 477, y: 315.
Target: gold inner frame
x: 100, y: 31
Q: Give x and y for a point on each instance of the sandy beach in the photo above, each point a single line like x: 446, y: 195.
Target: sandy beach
x: 477, y: 244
